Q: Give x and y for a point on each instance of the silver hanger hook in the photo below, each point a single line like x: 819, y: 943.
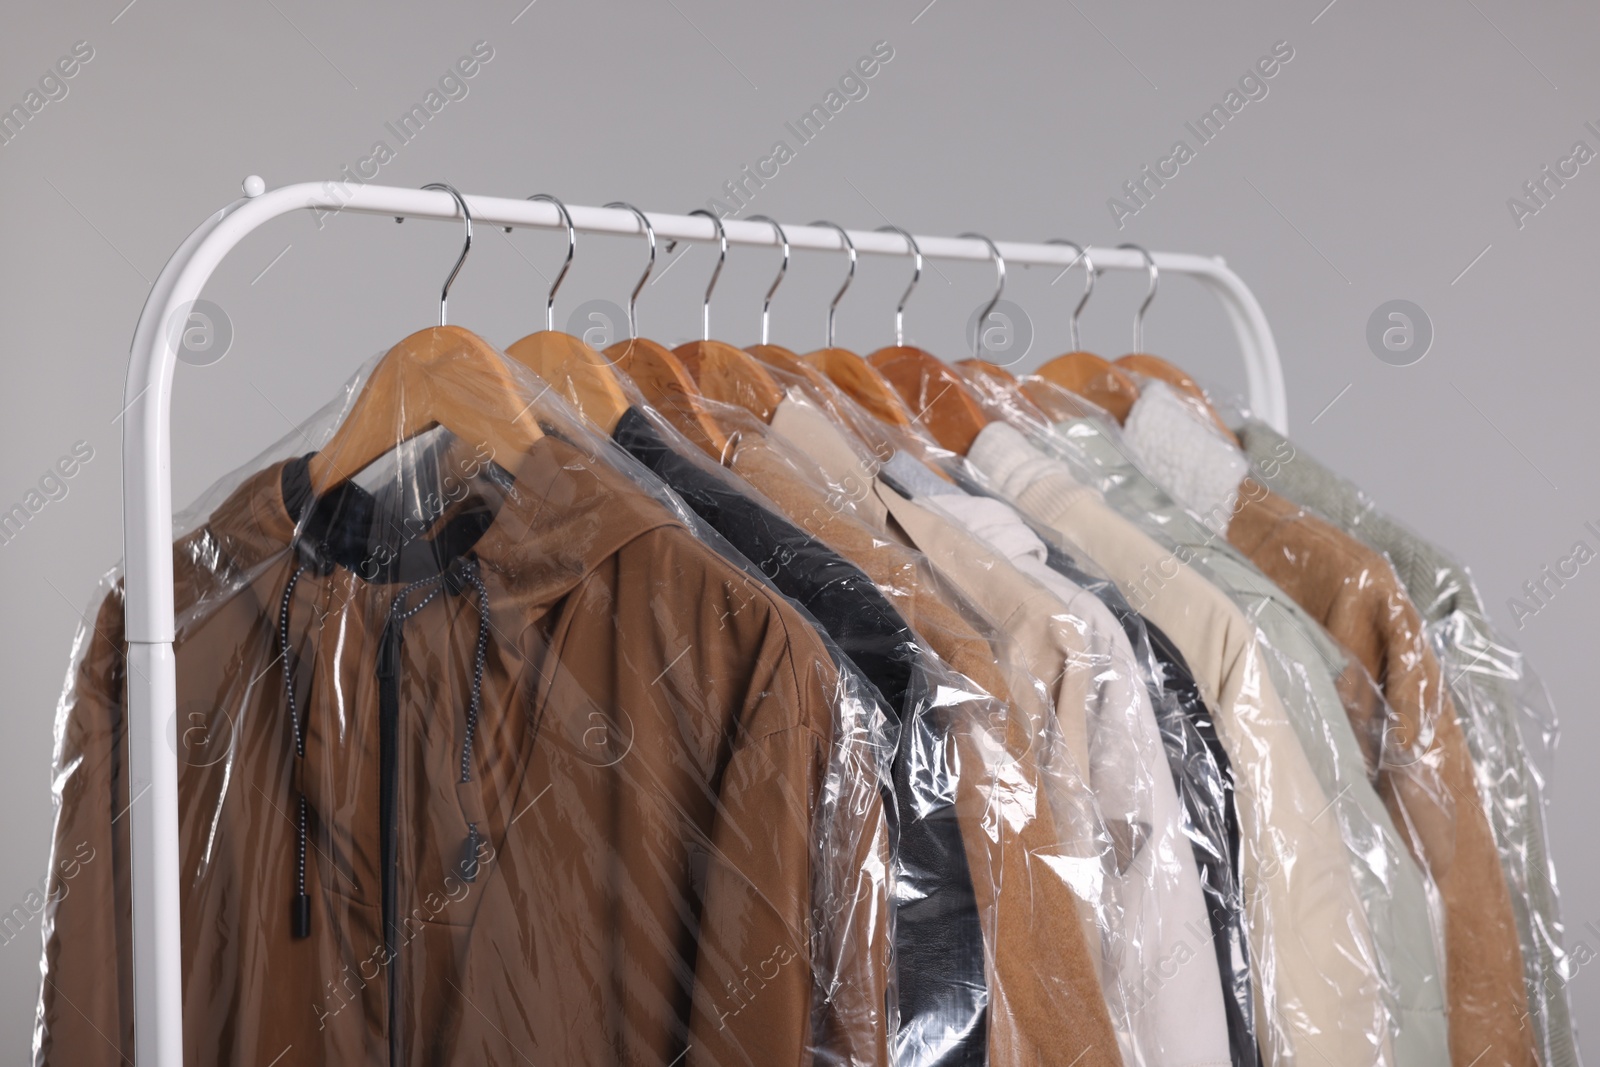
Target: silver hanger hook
x: 722, y: 240
x: 999, y: 287
x: 1155, y: 277
x: 566, y: 264
x: 650, y: 235
x: 850, y: 246
x: 461, y: 202
x: 783, y: 239
x: 1088, y: 283
x: 916, y: 276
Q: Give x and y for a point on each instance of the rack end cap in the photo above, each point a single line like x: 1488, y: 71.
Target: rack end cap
x: 254, y: 186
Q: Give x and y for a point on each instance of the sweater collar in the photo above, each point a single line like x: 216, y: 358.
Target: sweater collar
x: 995, y: 522
x: 1014, y: 467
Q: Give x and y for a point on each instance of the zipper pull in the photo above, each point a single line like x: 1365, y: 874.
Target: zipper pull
x: 300, y: 915
x: 469, y: 854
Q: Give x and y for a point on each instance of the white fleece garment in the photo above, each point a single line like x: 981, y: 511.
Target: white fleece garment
x: 1174, y: 1014
x: 1185, y: 454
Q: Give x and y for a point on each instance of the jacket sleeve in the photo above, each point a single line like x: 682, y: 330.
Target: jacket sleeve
x: 83, y: 1016
x: 1308, y: 928
x: 793, y: 945
x: 1426, y: 776
x: 1420, y: 761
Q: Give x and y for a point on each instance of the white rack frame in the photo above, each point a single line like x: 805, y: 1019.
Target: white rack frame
x: 147, y: 486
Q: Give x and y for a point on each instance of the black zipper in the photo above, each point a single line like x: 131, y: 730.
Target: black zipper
x: 389, y: 652
x: 388, y: 792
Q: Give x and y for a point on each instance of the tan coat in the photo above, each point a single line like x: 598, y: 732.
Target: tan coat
x: 649, y: 771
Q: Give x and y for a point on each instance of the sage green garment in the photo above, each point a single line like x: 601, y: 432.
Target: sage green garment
x: 1303, y: 665
x: 1492, y: 689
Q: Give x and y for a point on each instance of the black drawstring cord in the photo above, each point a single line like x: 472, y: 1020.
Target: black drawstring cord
x: 300, y: 905
x: 466, y: 569
x: 469, y: 848
x: 479, y: 661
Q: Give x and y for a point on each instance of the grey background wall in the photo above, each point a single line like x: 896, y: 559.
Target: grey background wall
x: 1377, y: 166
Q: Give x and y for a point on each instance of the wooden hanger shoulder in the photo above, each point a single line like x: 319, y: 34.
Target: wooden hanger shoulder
x: 992, y: 371
x: 1056, y: 403
x: 731, y: 376
x: 862, y: 382
x: 667, y: 386
x: 653, y: 368
x: 788, y: 361
x: 992, y: 380
x: 1095, y: 380
x: 577, y: 372
x: 932, y: 388
x: 443, y: 376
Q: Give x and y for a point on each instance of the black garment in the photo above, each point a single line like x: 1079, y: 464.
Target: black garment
x: 1221, y: 875
x: 938, y: 939
x: 1204, y: 779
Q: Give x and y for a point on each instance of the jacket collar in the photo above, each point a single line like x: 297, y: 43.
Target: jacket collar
x: 1019, y: 471
x: 813, y: 432
x: 562, y: 510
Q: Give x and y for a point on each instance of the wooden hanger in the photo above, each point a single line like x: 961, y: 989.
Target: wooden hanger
x: 862, y: 382
x: 825, y: 392
x: 1095, y: 379
x: 723, y: 372
x: 944, y: 404
x: 668, y: 387
x: 1091, y: 377
x: 1159, y: 369
x: 1057, y: 403
x: 853, y: 375
x: 656, y: 372
x: 931, y: 387
x: 787, y: 361
x: 1140, y: 362
x: 992, y: 371
x: 777, y: 357
x: 727, y: 374
x: 993, y: 380
x: 574, y: 369
x: 580, y: 374
x: 444, y: 376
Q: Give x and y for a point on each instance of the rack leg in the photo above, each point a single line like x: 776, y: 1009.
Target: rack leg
x: 153, y: 809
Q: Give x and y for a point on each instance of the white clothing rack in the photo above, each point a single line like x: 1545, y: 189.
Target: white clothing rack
x: 147, y: 486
